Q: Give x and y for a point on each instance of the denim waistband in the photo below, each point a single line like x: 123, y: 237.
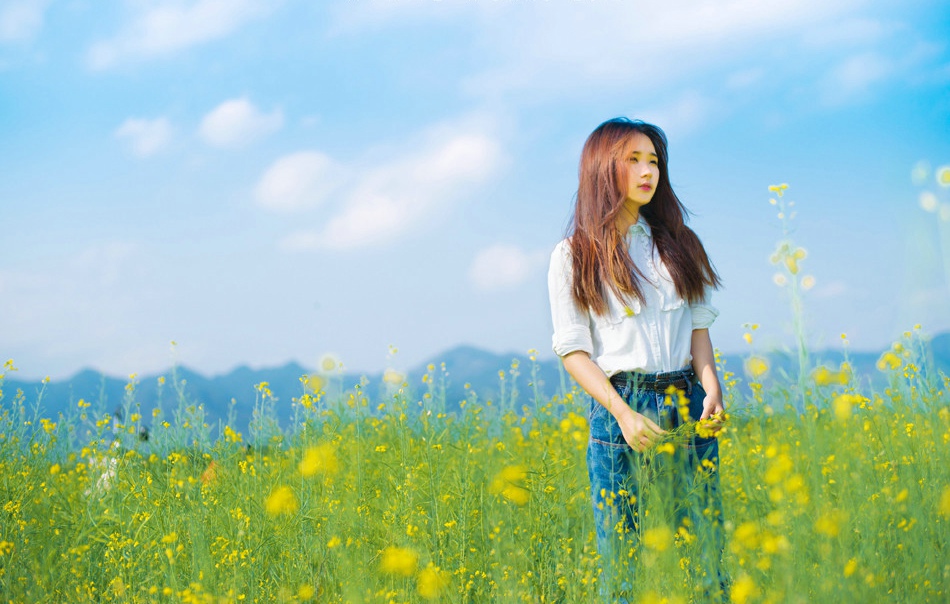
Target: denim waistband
x: 681, y: 378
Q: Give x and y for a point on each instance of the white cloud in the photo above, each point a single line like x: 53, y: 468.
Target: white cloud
x: 146, y: 137
x: 297, y: 181
x: 384, y: 199
x: 853, y: 77
x: 503, y: 266
x: 237, y: 122
x: 168, y: 26
x: 565, y: 47
x: 21, y: 20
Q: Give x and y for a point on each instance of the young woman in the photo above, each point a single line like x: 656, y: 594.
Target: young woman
x: 629, y: 290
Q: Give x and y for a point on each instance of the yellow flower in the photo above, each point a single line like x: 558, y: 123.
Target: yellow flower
x: 305, y: 592
x: 54, y: 469
x: 400, y: 561
x: 888, y: 360
x: 432, y: 582
x: 943, y: 176
x: 281, y: 501
x: 658, y: 539
x: 825, y: 377
x: 756, y: 366
x: 313, y: 382
x: 329, y: 363
x: 792, y: 264
x: 232, y: 436
x: 651, y: 597
x: 393, y: 377
x: 747, y: 337
x: 778, y: 189
x: 509, y: 483
x: 779, y: 469
x: 843, y: 403
x: 319, y: 459
x: 944, y: 508
x: 743, y: 590
x: 333, y: 542
x: 850, y: 567
x: 666, y: 448
x: 746, y: 537
x: 829, y: 524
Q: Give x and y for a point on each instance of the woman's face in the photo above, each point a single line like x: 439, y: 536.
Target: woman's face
x: 643, y: 170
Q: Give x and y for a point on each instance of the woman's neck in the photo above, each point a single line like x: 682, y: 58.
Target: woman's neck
x: 627, y: 218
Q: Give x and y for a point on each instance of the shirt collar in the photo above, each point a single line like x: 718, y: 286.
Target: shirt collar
x: 641, y: 225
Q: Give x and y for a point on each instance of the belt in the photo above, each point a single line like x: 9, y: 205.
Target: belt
x: 682, y: 379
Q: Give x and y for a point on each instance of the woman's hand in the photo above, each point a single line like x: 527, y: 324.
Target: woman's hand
x: 714, y: 415
x: 640, y: 432
x: 704, y: 364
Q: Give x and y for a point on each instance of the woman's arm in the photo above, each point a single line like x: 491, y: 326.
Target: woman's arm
x: 704, y: 364
x: 639, y: 431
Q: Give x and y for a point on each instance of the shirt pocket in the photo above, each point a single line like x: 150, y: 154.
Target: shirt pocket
x: 618, y: 311
x: 670, y: 300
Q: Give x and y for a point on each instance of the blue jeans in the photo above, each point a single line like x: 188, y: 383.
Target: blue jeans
x: 686, y: 488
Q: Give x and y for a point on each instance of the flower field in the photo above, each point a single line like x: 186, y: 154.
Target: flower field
x: 834, y: 494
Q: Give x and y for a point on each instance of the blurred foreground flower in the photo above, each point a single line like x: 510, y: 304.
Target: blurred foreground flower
x: 888, y: 360
x: 319, y: 459
x: 393, y: 377
x: 432, y: 582
x: 829, y: 523
x: 824, y: 376
x: 943, y: 176
x: 756, y: 366
x: 313, y: 383
x: 509, y: 483
x: 944, y: 507
x: 658, y: 538
x: 400, y: 561
x: 843, y: 403
x: 329, y: 363
x: 281, y: 501
x: 743, y: 590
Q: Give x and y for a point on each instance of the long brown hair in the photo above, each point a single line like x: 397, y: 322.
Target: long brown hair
x: 598, y: 251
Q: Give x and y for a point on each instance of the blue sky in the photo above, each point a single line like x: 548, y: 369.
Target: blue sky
x: 272, y: 181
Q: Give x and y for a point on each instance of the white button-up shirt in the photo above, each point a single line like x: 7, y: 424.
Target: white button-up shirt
x: 647, y: 337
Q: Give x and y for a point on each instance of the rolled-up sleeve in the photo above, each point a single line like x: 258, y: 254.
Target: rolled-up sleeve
x: 571, y: 324
x: 703, y: 312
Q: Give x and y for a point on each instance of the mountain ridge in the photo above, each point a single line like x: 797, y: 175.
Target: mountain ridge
x: 469, y: 373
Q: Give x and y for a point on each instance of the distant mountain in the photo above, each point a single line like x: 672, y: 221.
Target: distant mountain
x: 235, y: 392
